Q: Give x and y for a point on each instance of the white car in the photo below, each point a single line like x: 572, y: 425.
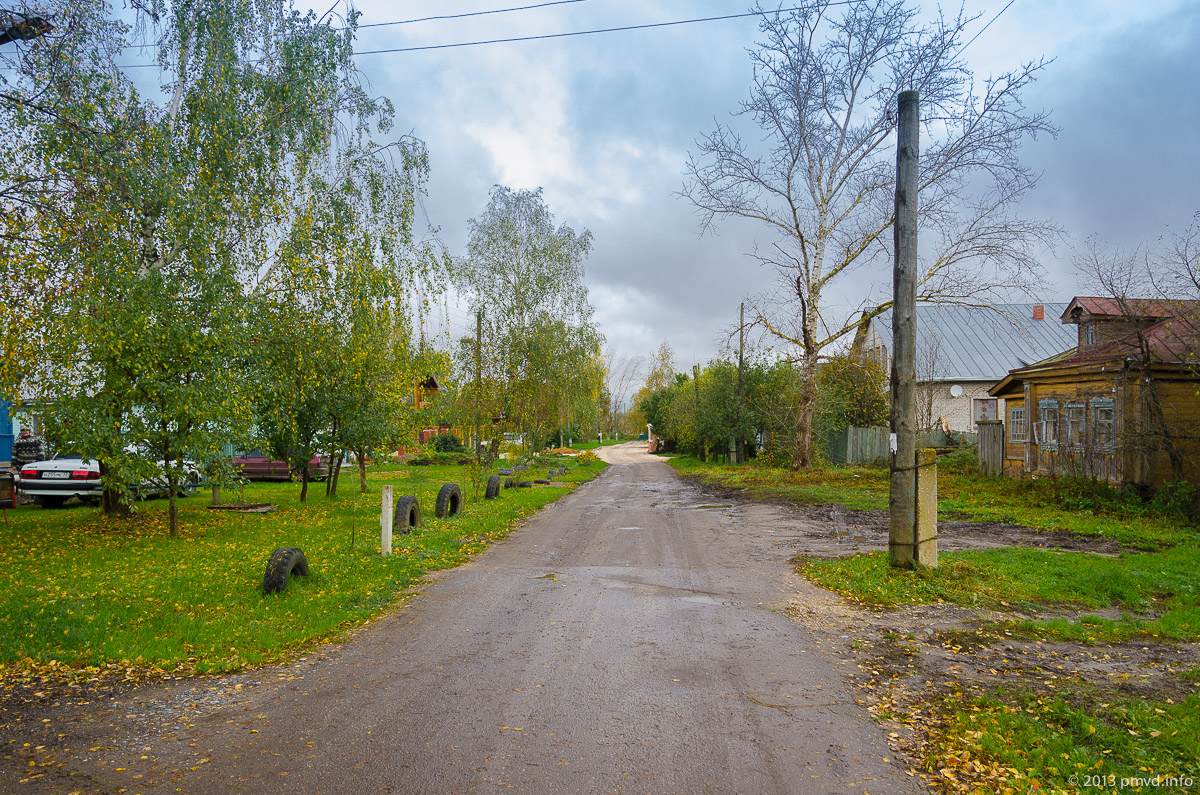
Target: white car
x: 53, y: 482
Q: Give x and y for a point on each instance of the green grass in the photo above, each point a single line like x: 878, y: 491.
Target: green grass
x: 997, y: 578
x: 607, y: 443
x: 1039, y: 504
x: 82, y: 590
x: 1079, y: 745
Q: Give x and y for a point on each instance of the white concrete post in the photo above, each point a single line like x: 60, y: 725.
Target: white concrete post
x: 385, y: 522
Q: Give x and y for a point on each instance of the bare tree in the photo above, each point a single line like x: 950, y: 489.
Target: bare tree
x: 1155, y: 296
x: 621, y: 373
x: 820, y: 172
x: 931, y: 369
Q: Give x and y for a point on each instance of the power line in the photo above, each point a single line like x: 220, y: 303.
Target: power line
x: 981, y: 30
x: 577, y: 32
x: 543, y: 36
x: 471, y: 14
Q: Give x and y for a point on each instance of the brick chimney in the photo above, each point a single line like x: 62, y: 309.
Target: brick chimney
x: 1039, y: 311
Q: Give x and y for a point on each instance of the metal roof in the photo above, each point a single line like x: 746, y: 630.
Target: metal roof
x: 984, y: 344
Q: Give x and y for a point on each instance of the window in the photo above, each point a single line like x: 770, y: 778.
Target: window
x: 1103, y: 422
x: 1016, y: 424
x: 984, y: 409
x: 1089, y: 333
x: 1076, y: 425
x: 1047, y: 427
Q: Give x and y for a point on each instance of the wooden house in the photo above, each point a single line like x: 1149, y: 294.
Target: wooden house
x: 963, y: 351
x: 1122, y: 405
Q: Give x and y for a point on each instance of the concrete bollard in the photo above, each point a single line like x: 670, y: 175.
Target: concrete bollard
x: 386, y: 515
x: 926, y: 540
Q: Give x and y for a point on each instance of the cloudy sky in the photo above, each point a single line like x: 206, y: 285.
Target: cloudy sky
x: 604, y: 123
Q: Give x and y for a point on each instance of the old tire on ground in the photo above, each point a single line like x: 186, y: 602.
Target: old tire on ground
x: 506, y: 471
x: 407, y: 515
x: 493, y: 487
x: 49, y: 501
x: 524, y: 484
x: 449, y: 501
x: 542, y: 482
x: 550, y: 475
x: 284, y: 562
x: 508, y: 484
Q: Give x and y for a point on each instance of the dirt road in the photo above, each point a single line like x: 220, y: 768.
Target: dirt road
x: 626, y: 639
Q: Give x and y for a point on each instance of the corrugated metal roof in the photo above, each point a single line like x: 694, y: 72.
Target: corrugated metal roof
x: 984, y: 344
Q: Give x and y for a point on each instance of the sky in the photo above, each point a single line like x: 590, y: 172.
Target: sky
x: 604, y: 123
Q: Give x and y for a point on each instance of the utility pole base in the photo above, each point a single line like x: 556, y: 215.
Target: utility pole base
x: 913, y: 530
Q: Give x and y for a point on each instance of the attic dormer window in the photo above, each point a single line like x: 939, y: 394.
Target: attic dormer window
x: 1089, y: 334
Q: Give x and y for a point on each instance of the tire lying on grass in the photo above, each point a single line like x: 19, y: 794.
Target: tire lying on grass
x: 449, y: 501
x: 284, y: 562
x: 542, y: 482
x: 493, y: 487
x: 510, y: 483
x: 524, y: 484
x: 407, y: 515
x: 506, y: 471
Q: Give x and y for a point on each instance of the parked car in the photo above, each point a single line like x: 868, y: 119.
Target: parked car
x: 257, y: 465
x: 52, y: 482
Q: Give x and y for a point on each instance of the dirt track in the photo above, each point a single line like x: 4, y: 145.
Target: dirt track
x: 630, y: 638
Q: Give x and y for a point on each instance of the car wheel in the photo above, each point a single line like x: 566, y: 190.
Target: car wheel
x: 190, y: 485
x: 449, y: 501
x: 284, y: 562
x: 49, y: 501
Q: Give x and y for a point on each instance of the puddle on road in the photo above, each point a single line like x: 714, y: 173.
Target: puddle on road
x: 629, y: 528
x: 708, y: 507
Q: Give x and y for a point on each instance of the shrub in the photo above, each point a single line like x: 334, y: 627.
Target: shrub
x: 446, y: 443
x: 1178, y: 498
x: 964, y: 461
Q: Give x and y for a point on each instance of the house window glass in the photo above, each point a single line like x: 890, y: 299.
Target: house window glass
x: 1047, y: 426
x: 1104, y: 422
x: 1076, y: 425
x: 1089, y: 333
x: 1016, y: 424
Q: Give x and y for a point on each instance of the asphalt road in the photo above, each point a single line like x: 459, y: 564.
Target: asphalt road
x: 626, y: 639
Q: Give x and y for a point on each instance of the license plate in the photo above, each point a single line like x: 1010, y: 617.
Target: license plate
x: 54, y: 475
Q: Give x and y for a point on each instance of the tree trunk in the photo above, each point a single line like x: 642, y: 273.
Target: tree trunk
x: 173, y: 500
x: 304, y: 482
x: 802, y: 457
x: 110, y: 501
x: 216, y: 494
x: 335, y: 473
x: 362, y: 470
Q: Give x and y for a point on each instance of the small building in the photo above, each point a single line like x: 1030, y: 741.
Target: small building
x: 1121, y: 405
x: 963, y: 351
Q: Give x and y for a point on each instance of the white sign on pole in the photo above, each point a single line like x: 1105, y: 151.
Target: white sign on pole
x: 385, y: 522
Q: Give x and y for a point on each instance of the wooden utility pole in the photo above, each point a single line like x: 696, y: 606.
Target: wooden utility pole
x: 902, y: 501
x: 703, y: 446
x: 478, y: 377
x: 741, y: 443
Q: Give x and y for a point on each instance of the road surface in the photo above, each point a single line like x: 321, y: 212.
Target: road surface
x: 628, y: 638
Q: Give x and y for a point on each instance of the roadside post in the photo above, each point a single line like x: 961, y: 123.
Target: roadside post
x: 386, y: 514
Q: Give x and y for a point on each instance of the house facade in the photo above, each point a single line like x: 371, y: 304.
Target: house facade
x: 962, y: 352
x: 1122, y: 405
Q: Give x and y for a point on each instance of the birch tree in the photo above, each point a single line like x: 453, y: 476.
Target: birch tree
x: 150, y: 214
x: 818, y: 172
x: 523, y: 275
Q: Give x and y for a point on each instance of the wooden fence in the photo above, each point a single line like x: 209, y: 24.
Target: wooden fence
x: 991, y: 447
x: 856, y: 445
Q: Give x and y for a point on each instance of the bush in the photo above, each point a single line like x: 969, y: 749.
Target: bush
x: 1177, y: 498
x: 960, y: 462
x: 446, y: 443
x: 587, y: 457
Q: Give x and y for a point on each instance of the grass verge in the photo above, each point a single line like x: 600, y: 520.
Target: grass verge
x: 87, y: 595
x: 1075, y: 703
